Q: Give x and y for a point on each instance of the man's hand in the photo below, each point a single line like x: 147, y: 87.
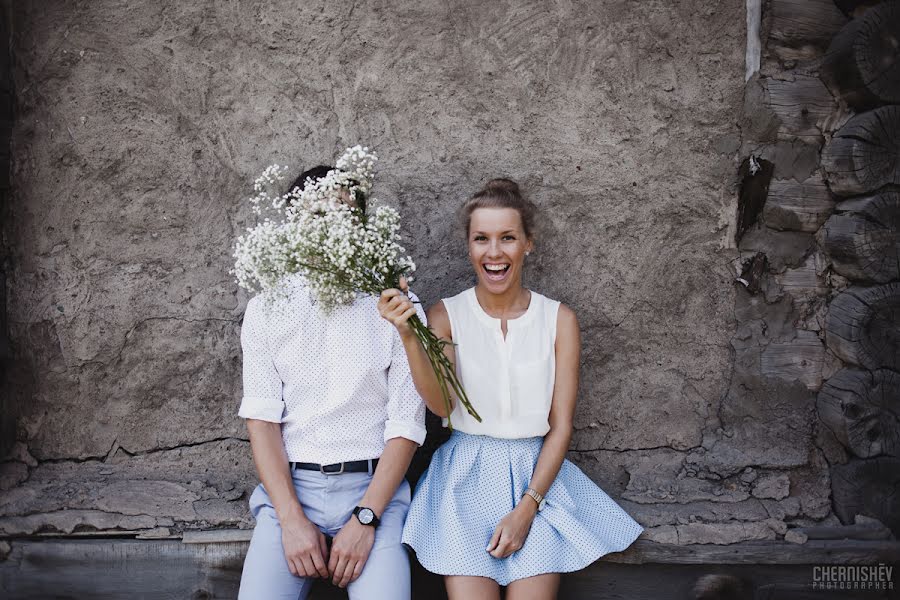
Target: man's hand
x: 510, y: 534
x: 304, y: 548
x: 350, y: 551
x: 396, y: 307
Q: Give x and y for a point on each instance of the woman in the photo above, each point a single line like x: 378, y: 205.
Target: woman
x: 500, y: 505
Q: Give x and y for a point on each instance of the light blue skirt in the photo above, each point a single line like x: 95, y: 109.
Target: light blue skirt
x: 474, y: 481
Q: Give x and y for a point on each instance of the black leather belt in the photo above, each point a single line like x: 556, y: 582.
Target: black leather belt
x: 356, y: 466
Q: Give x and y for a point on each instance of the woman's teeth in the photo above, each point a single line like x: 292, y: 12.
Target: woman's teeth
x: 496, y: 271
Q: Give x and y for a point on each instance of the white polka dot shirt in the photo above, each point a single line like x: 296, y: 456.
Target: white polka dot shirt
x: 339, y: 383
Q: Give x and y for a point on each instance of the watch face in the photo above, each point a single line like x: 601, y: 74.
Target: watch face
x: 366, y: 516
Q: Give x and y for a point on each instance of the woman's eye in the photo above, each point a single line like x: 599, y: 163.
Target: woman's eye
x: 509, y: 237
x: 480, y: 238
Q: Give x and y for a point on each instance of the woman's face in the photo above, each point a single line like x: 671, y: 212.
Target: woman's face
x: 497, y: 247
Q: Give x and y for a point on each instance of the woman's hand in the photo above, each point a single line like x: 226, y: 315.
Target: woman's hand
x: 511, y: 532
x: 396, y: 307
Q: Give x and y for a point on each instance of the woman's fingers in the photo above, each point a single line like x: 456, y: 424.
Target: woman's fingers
x: 495, y: 539
x: 404, y: 284
x: 389, y: 293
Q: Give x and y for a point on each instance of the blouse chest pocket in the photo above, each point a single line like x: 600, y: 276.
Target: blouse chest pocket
x: 532, y: 379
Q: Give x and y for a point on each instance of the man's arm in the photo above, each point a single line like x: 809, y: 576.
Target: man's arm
x: 354, y: 541
x: 263, y: 408
x: 404, y: 431
x: 304, y: 545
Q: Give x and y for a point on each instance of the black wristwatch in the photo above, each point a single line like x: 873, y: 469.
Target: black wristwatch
x: 366, y: 516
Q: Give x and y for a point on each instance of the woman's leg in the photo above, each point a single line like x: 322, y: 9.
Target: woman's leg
x: 464, y: 587
x: 539, y: 587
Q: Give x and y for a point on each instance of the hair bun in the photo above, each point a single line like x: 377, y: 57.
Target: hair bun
x: 501, y: 184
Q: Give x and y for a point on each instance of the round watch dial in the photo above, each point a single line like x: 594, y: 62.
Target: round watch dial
x: 366, y: 516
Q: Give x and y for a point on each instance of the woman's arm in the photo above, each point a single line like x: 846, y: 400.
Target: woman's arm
x: 512, y: 530
x: 562, y: 409
x: 397, y: 308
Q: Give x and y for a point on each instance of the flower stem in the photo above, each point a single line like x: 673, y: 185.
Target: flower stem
x: 443, y: 368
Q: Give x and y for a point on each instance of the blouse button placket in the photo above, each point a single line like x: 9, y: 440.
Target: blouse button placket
x: 506, y: 383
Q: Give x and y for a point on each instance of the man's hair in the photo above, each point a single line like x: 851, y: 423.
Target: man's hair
x: 315, y: 174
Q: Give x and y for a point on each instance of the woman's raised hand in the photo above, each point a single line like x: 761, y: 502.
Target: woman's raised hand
x: 396, y: 307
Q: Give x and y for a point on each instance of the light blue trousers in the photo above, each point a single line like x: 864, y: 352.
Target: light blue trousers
x: 328, y: 501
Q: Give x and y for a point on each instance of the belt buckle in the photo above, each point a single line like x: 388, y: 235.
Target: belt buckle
x: 324, y: 472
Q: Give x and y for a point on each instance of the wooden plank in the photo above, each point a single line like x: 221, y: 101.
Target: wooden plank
x: 214, y: 536
x: 114, y: 569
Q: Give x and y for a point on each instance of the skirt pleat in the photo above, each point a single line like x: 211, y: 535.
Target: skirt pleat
x: 474, y: 481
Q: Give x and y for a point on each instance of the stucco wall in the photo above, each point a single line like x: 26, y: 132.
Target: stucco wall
x: 140, y: 127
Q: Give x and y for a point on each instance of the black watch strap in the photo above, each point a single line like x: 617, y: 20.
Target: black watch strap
x: 366, y: 518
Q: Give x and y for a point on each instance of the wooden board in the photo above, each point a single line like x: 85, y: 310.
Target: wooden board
x: 120, y: 569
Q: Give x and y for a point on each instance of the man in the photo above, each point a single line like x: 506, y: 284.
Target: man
x: 334, y: 419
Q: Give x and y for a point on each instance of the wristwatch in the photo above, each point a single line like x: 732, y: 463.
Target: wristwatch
x: 366, y: 516
x: 536, y: 497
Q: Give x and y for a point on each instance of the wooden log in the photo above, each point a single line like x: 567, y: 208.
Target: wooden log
x: 855, y: 8
x: 862, y: 325
x: 797, y: 206
x: 863, y: 238
x: 801, y: 23
x: 803, y: 104
x: 862, y: 410
x: 868, y: 486
x: 801, y: 359
x: 862, y: 65
x: 864, y: 154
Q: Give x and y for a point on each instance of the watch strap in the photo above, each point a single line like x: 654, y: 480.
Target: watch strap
x: 536, y: 496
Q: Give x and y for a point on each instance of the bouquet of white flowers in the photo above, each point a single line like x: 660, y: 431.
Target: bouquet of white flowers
x: 325, y: 233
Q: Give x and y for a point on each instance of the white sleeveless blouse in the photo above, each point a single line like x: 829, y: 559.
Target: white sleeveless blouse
x: 509, y: 382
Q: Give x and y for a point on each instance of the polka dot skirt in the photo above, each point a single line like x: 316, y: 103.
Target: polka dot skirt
x: 474, y: 481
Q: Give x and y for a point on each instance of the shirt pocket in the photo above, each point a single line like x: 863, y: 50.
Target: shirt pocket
x: 532, y: 379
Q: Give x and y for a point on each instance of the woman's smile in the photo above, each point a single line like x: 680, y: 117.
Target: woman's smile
x: 496, y: 271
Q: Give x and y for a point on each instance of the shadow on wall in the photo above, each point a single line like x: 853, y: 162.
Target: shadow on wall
x: 8, y: 410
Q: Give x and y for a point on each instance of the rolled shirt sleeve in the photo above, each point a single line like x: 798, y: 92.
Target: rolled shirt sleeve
x: 263, y: 398
x: 405, y: 408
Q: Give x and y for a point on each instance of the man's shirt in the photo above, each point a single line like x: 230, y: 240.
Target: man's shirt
x: 339, y: 383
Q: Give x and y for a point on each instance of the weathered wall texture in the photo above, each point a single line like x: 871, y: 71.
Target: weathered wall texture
x: 141, y: 125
